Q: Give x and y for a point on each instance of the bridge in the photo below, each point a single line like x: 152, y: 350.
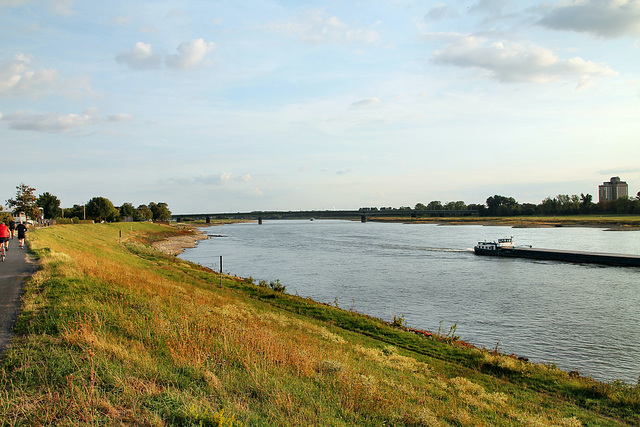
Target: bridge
x: 362, y: 214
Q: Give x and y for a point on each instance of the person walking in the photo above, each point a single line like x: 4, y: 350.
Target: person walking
x: 22, y: 233
x: 12, y: 227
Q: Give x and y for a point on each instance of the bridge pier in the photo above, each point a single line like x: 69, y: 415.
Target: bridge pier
x: 363, y: 218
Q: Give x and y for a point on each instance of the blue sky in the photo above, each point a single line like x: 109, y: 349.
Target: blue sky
x: 218, y: 106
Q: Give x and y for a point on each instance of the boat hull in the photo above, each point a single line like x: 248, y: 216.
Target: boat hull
x: 565, y: 256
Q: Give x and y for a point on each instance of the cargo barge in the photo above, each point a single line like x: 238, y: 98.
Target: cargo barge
x: 504, y: 247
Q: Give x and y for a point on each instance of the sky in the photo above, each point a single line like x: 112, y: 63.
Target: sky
x: 218, y: 106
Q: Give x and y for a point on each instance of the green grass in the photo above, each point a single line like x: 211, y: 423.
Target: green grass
x: 117, y: 333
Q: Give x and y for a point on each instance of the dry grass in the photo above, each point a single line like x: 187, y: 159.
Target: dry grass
x: 115, y: 334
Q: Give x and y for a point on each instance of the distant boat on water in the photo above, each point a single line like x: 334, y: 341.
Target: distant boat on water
x: 504, y: 247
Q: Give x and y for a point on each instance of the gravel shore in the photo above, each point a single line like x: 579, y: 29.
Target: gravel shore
x: 177, y: 244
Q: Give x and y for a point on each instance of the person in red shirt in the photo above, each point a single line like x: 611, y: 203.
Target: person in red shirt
x: 4, y: 235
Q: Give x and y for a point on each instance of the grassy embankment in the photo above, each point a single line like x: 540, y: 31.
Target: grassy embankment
x: 116, y: 333
x: 619, y: 222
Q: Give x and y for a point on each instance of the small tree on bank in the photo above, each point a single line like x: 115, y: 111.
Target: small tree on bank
x: 25, y: 201
x: 127, y: 210
x: 101, y: 209
x: 50, y: 205
x: 160, y: 211
x: 143, y: 213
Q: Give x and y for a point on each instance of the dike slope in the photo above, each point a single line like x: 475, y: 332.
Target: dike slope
x: 116, y: 332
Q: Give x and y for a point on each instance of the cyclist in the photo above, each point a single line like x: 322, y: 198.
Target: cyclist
x: 4, y: 236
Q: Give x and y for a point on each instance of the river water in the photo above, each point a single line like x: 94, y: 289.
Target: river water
x: 576, y: 316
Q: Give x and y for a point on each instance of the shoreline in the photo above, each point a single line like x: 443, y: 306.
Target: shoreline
x: 175, y: 245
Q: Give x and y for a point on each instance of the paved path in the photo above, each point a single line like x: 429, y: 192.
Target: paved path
x: 13, y: 271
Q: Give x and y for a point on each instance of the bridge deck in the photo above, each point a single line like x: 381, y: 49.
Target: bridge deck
x: 329, y: 214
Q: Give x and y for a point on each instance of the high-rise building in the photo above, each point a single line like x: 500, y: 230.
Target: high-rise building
x: 612, y: 190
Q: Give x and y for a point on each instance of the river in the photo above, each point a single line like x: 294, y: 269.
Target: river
x: 575, y: 316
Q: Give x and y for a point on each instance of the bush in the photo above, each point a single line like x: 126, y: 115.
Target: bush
x: 277, y: 286
x: 273, y: 285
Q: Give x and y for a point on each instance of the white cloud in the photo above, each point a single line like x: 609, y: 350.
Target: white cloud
x: 120, y: 118
x: 211, y: 179
x: 364, y: 103
x: 345, y: 171
x: 140, y: 57
x: 19, y: 78
x: 513, y: 62
x: 48, y: 122
x: 189, y: 54
x: 605, y: 18
x: 60, y: 122
x: 318, y: 27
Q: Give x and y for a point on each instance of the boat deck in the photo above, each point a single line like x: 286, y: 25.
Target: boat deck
x: 568, y: 256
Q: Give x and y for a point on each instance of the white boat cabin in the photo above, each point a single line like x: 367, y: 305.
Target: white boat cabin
x: 504, y: 243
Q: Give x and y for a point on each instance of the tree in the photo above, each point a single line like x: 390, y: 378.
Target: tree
x: 160, y: 211
x: 455, y: 206
x: 101, y: 209
x: 528, y: 209
x: 420, y: 207
x: 477, y: 207
x: 435, y: 205
x: 548, y: 206
x: 502, y: 206
x: 143, y: 213
x: 624, y: 205
x: 50, y: 205
x: 77, y: 211
x: 586, y: 202
x: 5, y: 216
x: 25, y: 201
x: 127, y: 210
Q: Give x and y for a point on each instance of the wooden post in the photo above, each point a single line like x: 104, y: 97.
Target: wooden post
x: 220, y: 270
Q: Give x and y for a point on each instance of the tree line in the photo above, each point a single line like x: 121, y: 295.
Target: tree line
x: 562, y: 204
x: 47, y: 206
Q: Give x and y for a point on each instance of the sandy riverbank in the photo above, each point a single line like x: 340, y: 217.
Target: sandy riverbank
x: 177, y: 244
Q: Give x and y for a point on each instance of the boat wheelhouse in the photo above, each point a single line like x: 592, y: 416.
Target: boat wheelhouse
x: 506, y: 243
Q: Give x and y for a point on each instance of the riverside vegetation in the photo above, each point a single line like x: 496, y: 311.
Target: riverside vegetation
x: 114, y: 332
